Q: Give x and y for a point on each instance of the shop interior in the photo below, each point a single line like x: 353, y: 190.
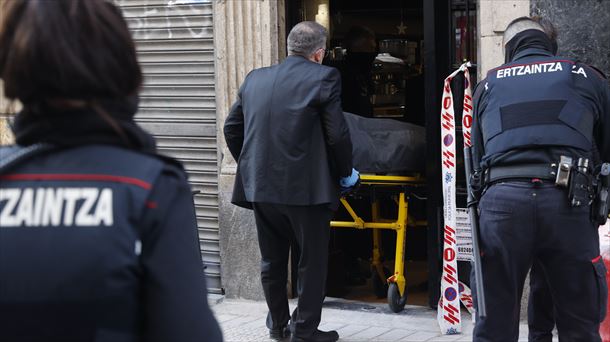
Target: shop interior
x: 378, y: 46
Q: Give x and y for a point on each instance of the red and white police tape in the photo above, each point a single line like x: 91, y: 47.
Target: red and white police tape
x: 452, y: 290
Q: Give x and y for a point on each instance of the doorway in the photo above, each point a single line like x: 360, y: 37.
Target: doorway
x: 415, y: 45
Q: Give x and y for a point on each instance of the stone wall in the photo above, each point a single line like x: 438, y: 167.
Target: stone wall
x: 247, y: 35
x: 492, y: 18
x: 583, y: 26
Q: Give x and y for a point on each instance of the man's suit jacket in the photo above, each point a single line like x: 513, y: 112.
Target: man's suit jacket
x: 288, y: 134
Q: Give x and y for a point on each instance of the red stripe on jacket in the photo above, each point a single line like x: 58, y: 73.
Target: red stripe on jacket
x: 77, y: 177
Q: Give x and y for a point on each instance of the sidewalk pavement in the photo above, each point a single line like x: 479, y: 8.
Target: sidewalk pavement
x: 243, y: 320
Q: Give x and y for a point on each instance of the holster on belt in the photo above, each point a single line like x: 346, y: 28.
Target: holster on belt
x: 601, y: 203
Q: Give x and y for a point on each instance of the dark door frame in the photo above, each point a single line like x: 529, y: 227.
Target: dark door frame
x: 437, y: 65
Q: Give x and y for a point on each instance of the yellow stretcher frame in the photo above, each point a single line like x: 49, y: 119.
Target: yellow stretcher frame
x: 396, y: 282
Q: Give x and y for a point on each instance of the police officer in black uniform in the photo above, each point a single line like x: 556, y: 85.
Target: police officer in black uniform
x: 529, y: 113
x: 98, y: 235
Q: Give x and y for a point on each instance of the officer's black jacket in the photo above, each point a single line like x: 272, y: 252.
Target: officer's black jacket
x: 98, y: 242
x: 288, y: 135
x: 589, y: 89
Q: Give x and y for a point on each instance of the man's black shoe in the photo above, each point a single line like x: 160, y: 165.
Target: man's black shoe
x: 279, y: 333
x: 318, y: 336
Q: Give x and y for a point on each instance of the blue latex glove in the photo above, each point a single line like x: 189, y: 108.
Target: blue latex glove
x: 348, y: 182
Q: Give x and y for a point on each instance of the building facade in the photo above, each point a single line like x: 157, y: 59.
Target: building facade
x: 584, y: 29
x: 196, y: 53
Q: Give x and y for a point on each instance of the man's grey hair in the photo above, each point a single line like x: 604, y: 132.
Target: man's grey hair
x: 519, y: 25
x: 306, y: 38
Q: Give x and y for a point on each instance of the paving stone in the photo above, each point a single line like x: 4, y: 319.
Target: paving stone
x: 446, y: 338
x: 242, y: 334
x: 420, y: 336
x: 243, y: 320
x: 369, y: 334
x: 255, y: 324
x: 394, y: 335
x: 225, y: 317
x: 239, y: 321
x: 350, y: 329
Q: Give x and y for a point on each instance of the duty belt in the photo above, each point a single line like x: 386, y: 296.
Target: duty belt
x: 523, y: 171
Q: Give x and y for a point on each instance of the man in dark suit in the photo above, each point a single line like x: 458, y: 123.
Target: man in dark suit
x: 288, y: 134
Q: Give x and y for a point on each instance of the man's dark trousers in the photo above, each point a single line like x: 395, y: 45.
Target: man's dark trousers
x: 278, y: 225
x: 521, y: 222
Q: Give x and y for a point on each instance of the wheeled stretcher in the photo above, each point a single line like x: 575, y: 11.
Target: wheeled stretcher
x: 399, y: 188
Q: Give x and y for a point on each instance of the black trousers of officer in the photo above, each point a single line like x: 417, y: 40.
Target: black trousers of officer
x: 521, y: 222
x: 308, y: 226
x: 540, y: 315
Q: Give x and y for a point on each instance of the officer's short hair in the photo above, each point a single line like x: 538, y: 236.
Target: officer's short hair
x: 306, y: 38
x: 519, y: 25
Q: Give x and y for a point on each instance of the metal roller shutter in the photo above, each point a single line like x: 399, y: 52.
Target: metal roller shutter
x: 174, y: 39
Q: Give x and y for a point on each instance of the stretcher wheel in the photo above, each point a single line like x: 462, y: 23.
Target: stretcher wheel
x: 396, y: 302
x: 380, y: 286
